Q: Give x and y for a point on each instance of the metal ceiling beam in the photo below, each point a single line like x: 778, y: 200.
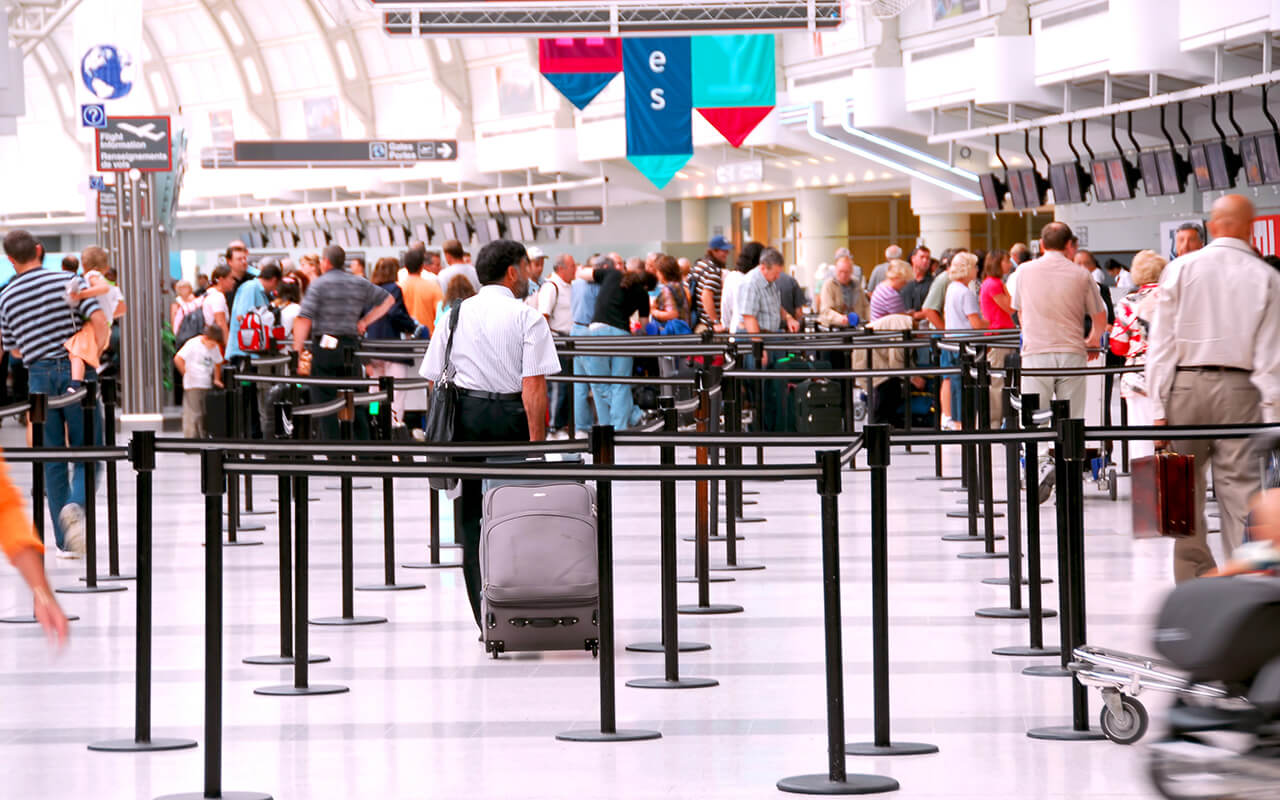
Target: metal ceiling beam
x: 355, y: 90
x: 30, y: 23
x: 262, y: 104
x: 158, y: 65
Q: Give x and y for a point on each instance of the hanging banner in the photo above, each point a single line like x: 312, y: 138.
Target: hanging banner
x: 580, y: 68
x: 734, y: 82
x: 659, y: 105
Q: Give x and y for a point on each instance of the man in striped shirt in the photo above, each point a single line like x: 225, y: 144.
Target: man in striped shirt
x: 35, y: 323
x: 709, y: 276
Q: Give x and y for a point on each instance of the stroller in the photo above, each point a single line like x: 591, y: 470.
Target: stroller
x: 1225, y: 632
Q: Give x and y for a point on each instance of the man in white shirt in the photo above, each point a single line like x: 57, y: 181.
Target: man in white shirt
x: 1213, y: 358
x: 555, y: 303
x: 456, y: 260
x: 502, y: 355
x: 222, y: 284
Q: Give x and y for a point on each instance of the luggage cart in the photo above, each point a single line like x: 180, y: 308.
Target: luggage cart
x: 1122, y: 677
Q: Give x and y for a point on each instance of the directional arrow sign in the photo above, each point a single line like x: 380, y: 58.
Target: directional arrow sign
x: 384, y: 152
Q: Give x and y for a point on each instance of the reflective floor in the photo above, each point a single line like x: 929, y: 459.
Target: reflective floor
x: 429, y: 715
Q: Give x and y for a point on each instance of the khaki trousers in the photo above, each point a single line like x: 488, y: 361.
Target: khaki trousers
x: 1073, y: 389
x: 1215, y: 398
x: 995, y: 360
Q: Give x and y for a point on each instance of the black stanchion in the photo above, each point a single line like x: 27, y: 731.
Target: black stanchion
x: 433, y: 540
x: 387, y: 384
x: 982, y: 452
x: 732, y: 486
x: 346, y: 429
x: 602, y: 453
x: 1061, y: 410
x: 88, y: 412
x: 670, y: 620
x: 876, y: 442
x: 836, y: 780
x: 249, y: 406
x: 670, y: 420
x: 935, y: 354
x: 968, y: 458
x: 213, y: 484
x: 110, y: 395
x: 1030, y: 405
x: 702, y: 508
x: 1071, y: 444
x: 142, y: 452
x: 234, y: 417
x: 301, y: 558
x: 36, y: 415
x: 284, y: 499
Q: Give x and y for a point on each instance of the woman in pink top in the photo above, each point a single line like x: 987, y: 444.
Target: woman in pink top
x: 997, y: 309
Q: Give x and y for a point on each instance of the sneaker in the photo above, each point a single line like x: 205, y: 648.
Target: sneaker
x: 1048, y: 477
x: 71, y: 518
x: 60, y: 553
x: 419, y: 435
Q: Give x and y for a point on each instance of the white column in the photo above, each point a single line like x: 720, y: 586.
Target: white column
x: 940, y: 231
x: 693, y: 221
x: 823, y: 227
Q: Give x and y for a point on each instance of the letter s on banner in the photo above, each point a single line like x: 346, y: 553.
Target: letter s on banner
x: 658, y: 100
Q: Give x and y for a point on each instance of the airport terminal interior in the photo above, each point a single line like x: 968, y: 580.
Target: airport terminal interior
x: 805, y: 433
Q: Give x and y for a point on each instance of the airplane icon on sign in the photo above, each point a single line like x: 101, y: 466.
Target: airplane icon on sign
x: 147, y: 131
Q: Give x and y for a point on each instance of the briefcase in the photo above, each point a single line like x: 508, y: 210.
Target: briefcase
x: 1164, y: 495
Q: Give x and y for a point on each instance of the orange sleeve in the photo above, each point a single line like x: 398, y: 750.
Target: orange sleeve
x: 16, y: 530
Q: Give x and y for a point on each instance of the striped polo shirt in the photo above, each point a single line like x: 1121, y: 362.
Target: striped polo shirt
x: 35, y: 318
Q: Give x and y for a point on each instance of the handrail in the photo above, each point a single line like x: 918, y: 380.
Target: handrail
x: 15, y: 409
x: 548, y: 470
x: 836, y: 374
x: 404, y: 450
x: 37, y: 455
x: 69, y: 399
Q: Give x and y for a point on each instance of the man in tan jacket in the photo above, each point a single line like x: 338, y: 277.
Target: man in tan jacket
x: 843, y: 295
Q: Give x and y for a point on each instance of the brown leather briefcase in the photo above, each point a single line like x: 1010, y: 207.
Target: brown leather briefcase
x: 1164, y: 495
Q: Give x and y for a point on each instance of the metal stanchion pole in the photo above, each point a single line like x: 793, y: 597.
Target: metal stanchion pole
x: 836, y: 780
x: 110, y: 396
x: 876, y: 442
x: 88, y: 412
x: 702, y: 503
x: 1061, y: 410
x: 732, y: 486
x: 213, y: 483
x: 235, y: 417
x: 387, y: 384
x: 142, y: 451
x: 602, y: 454
x: 968, y: 458
x: 935, y: 353
x: 1071, y: 445
x: 980, y: 391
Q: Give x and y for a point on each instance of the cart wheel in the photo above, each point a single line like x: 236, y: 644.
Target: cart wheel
x: 1129, y: 725
x: 1111, y: 483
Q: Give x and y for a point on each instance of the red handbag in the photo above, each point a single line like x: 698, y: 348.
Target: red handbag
x: 1164, y: 496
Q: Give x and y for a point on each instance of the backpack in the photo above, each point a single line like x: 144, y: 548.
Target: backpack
x: 260, y: 330
x: 695, y: 301
x: 192, y: 325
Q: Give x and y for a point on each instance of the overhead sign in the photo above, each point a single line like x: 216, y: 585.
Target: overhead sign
x: 140, y: 143
x: 740, y: 172
x: 109, y: 202
x: 556, y: 216
x: 93, y: 115
x: 363, y: 151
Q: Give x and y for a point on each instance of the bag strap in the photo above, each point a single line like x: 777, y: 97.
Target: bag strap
x: 448, y: 347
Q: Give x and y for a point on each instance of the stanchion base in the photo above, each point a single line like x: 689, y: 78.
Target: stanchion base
x: 429, y: 565
x: 657, y: 647
x: 964, y: 537
x: 852, y: 784
x: 1000, y: 612
x: 391, y: 587
x: 1005, y: 581
x: 965, y: 515
x: 113, y: 578
x: 995, y: 502
x: 309, y: 499
x: 1065, y: 733
x: 633, y: 735
x: 954, y: 488
x: 745, y: 502
x: 936, y: 478
x: 223, y: 796
x: 710, y: 579
x: 90, y: 589
x: 663, y: 683
x: 339, y: 621
x: 981, y: 554
x: 724, y: 608
x: 239, y: 543
x: 31, y: 620
x: 134, y: 746
x: 1026, y: 652
x: 746, y: 492
x: 362, y: 487
x: 282, y: 661
x: 289, y: 690
x: 714, y: 539
x: 248, y: 526
x: 891, y: 749
x: 735, y: 567
x: 742, y: 520
x: 1048, y: 671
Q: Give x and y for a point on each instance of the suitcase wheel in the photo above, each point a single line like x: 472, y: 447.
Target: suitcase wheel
x: 594, y: 646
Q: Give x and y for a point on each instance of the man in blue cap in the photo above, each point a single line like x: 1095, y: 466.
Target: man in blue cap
x: 707, y: 283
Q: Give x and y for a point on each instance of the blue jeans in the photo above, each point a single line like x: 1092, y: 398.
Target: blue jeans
x: 947, y: 360
x: 581, y: 410
x: 64, y: 427
x: 614, y: 403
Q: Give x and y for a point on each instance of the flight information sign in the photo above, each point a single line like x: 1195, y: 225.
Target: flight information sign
x: 386, y: 152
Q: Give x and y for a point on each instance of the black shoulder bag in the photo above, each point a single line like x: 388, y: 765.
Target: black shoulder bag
x: 443, y: 406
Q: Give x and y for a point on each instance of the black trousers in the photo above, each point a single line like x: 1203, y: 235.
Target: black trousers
x: 481, y: 420
x: 328, y: 364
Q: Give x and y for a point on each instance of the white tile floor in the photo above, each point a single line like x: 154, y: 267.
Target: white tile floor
x: 429, y: 715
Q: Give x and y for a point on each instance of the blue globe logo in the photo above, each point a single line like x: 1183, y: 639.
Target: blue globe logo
x: 107, y: 71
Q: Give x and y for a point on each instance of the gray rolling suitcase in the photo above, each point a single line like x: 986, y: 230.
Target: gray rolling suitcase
x: 539, y: 568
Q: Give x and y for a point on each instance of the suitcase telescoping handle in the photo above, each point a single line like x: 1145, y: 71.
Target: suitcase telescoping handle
x: 543, y: 622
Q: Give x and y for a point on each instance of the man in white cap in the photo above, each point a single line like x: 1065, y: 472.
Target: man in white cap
x: 537, y: 261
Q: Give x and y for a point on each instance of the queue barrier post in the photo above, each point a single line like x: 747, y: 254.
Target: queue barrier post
x: 142, y: 452
x: 110, y: 399
x: 346, y: 431
x: 980, y: 391
x: 236, y: 419
x: 1071, y: 446
x: 671, y: 645
x: 302, y: 658
x: 836, y: 780
x: 602, y: 453
x: 732, y: 486
x: 935, y: 355
x: 876, y: 442
x: 968, y: 458
x: 1061, y: 410
x: 387, y: 384
x: 88, y: 416
x: 213, y: 483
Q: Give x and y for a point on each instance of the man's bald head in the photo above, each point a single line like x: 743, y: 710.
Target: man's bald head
x: 1232, y: 217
